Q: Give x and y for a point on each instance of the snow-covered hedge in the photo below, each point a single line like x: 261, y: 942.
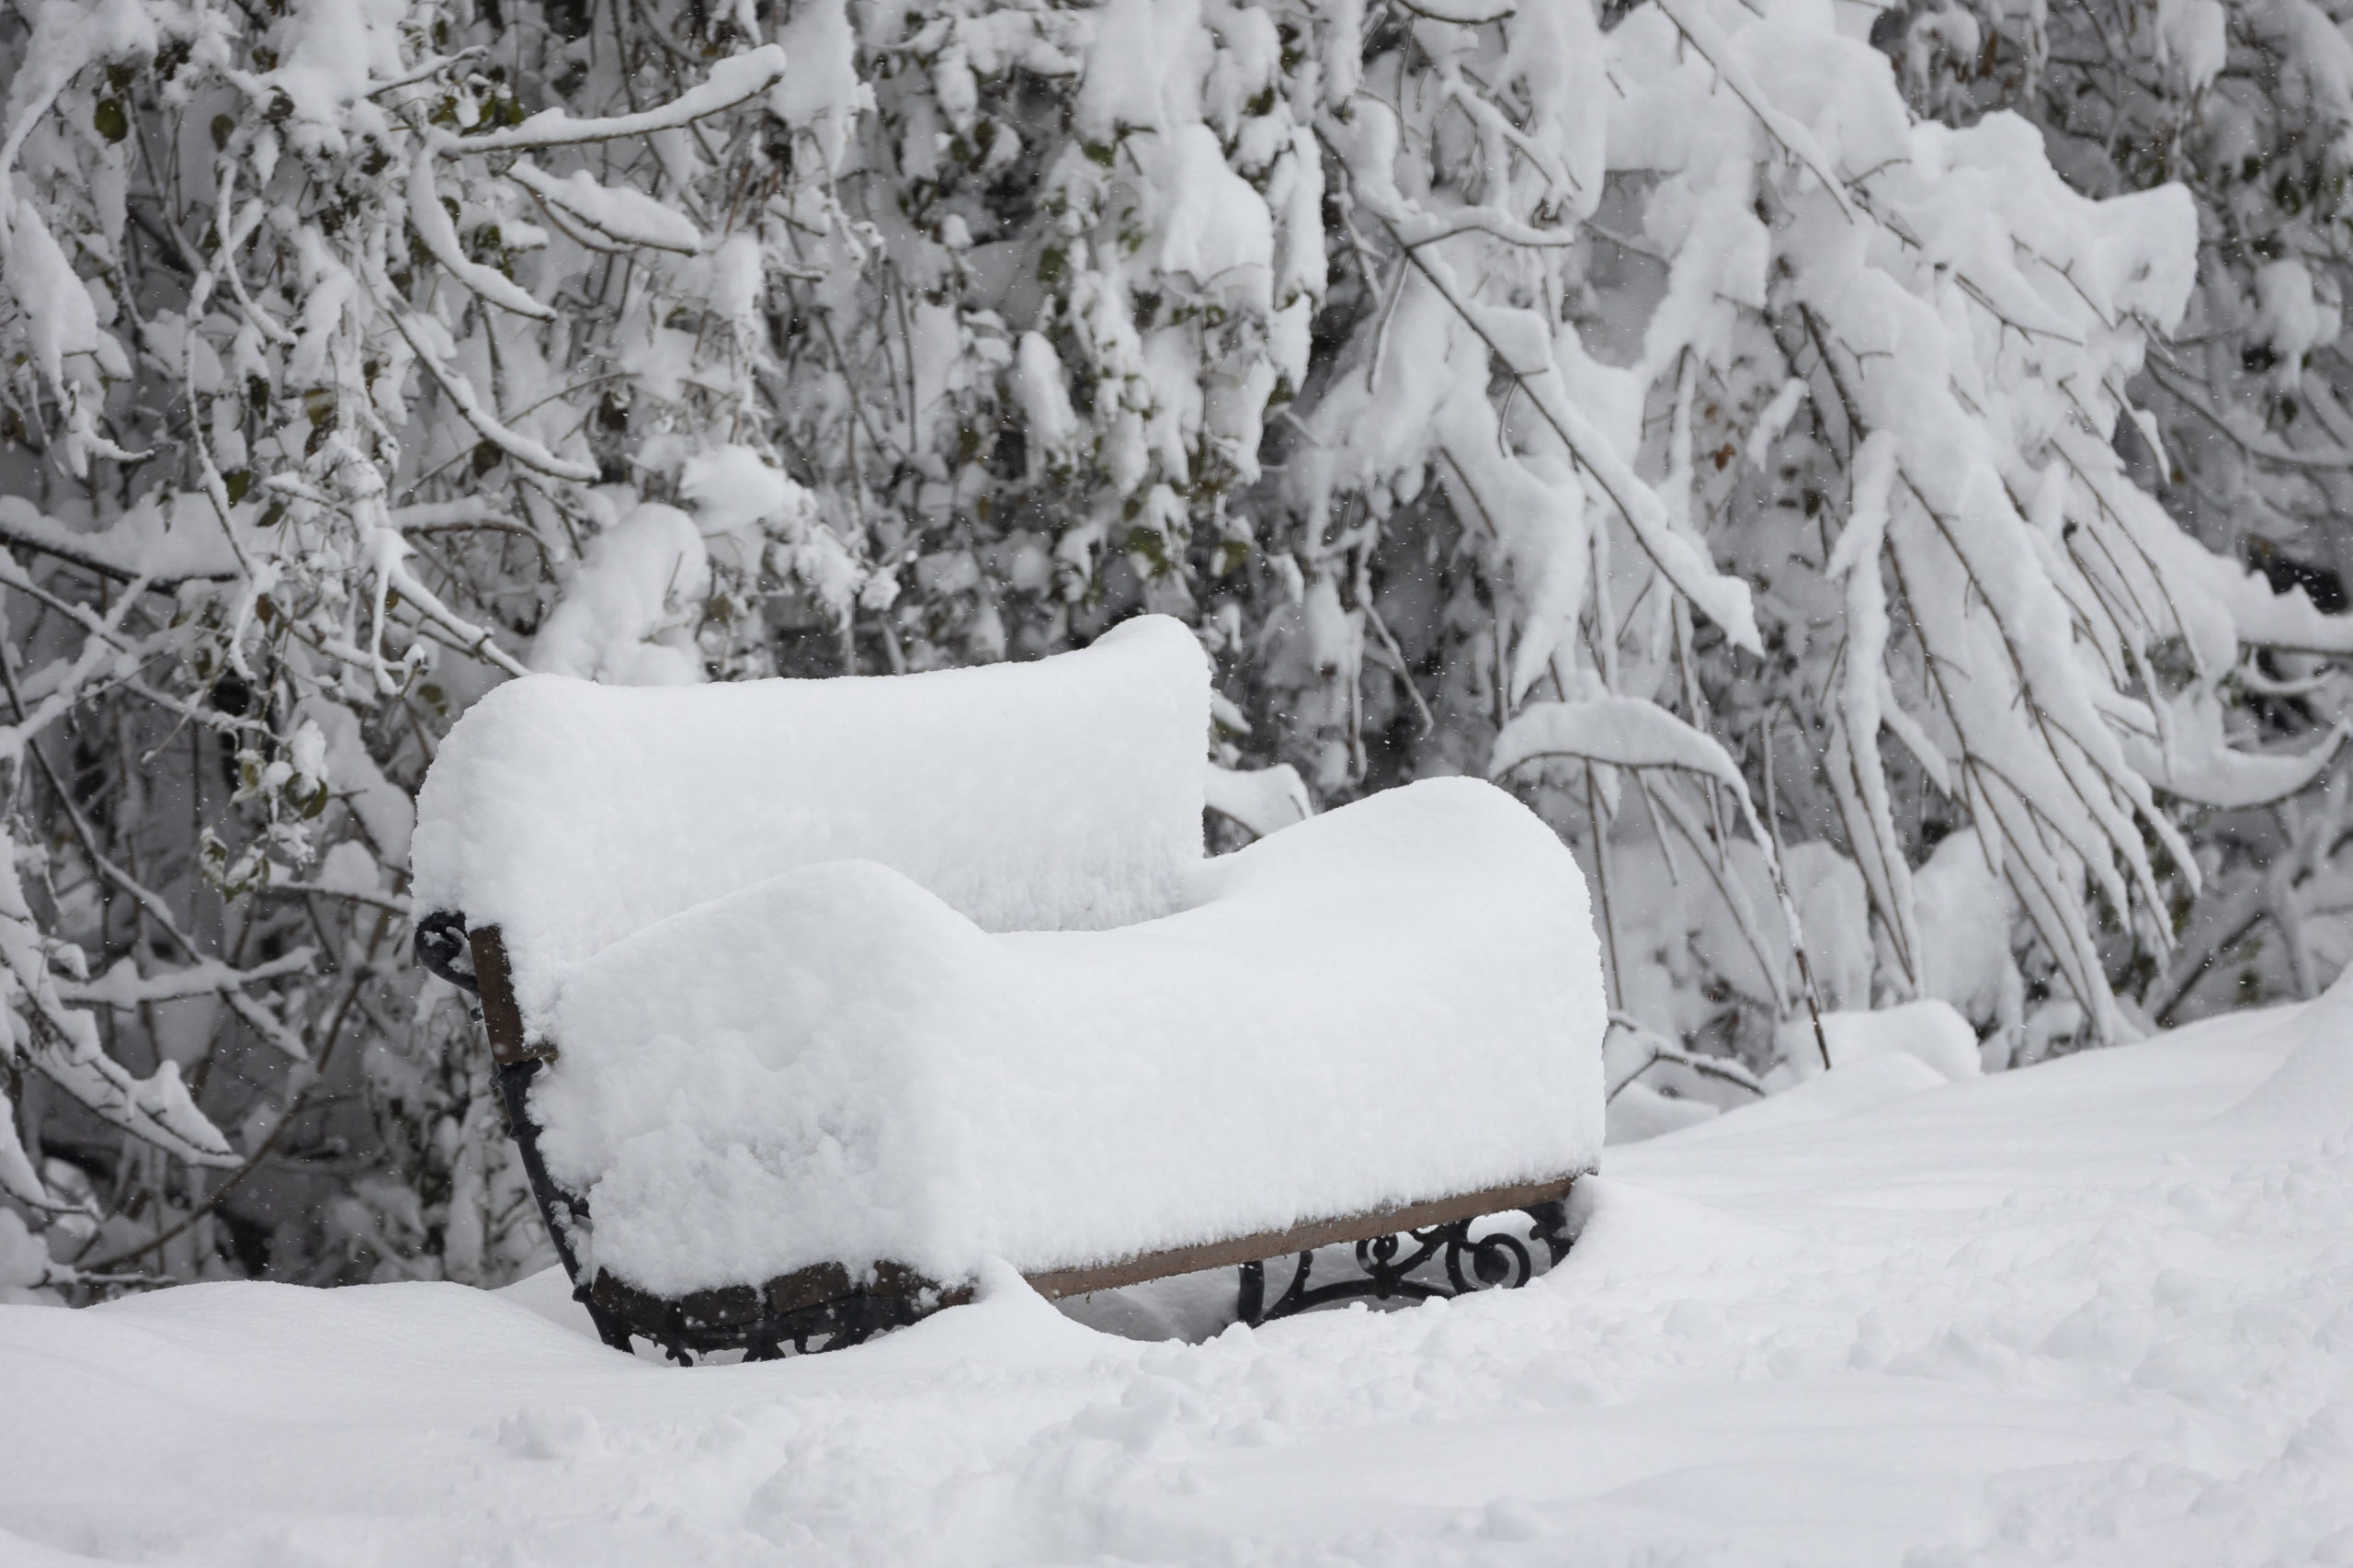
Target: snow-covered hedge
x: 1471, y: 376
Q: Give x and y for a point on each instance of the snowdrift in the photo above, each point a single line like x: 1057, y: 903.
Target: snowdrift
x: 2064, y: 1315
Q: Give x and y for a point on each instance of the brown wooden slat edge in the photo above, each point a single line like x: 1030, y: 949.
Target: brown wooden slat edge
x: 1298, y: 1238
x: 502, y: 1018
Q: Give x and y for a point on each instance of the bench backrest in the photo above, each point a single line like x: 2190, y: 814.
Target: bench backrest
x: 1063, y: 794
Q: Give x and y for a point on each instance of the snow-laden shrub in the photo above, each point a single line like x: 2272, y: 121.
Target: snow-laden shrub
x: 1869, y: 367
x: 326, y: 359
x: 2248, y: 104
x: 1531, y: 389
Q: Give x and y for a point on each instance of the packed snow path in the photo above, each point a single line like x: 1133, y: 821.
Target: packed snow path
x: 2096, y: 1312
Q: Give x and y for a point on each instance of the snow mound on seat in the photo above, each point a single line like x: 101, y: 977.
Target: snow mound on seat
x: 1397, y: 1001
x: 1063, y: 794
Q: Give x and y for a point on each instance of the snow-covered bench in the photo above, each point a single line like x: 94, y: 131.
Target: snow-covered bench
x: 811, y: 998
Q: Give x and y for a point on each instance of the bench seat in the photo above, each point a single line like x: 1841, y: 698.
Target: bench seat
x: 1393, y: 1002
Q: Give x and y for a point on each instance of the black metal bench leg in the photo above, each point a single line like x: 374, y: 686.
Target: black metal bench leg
x: 557, y: 1207
x: 1552, y: 1227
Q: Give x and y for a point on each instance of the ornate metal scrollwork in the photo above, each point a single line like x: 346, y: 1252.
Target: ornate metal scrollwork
x: 839, y: 1324
x: 1496, y: 1260
x: 742, y: 1318
x: 440, y: 943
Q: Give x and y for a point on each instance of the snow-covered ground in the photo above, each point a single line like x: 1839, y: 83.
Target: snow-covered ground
x: 2098, y: 1311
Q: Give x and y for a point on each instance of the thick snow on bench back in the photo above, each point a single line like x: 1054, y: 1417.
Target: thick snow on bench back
x: 1063, y: 794
x: 1398, y: 1001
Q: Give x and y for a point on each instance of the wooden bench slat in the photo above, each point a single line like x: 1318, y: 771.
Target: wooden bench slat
x: 1056, y: 1283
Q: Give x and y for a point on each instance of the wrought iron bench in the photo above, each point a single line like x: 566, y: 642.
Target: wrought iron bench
x: 519, y: 816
